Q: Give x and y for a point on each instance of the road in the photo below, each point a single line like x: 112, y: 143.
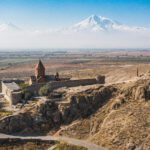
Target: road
x: 73, y: 141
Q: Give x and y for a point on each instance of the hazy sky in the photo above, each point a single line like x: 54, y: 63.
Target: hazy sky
x: 62, y: 13
x: 38, y: 18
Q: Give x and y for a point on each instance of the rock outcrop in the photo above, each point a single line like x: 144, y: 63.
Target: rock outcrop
x: 48, y: 115
x: 115, y: 116
x: 82, y: 105
x: 121, y: 123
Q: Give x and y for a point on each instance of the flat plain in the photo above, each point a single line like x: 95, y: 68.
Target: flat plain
x: 116, y: 65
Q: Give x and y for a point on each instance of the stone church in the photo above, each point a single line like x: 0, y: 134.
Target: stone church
x: 40, y: 76
x: 13, y: 93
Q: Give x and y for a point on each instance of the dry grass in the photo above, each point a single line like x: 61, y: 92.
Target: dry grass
x: 65, y: 146
x: 114, y: 70
x: 13, y: 144
x: 122, y: 122
x: 4, y: 113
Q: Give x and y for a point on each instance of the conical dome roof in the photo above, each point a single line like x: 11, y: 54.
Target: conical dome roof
x: 40, y: 66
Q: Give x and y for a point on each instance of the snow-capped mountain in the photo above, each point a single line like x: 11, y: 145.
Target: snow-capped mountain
x: 93, y: 32
x: 9, y: 27
x: 93, y: 23
x: 99, y: 23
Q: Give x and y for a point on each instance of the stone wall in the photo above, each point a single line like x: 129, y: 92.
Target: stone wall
x: 13, y: 97
x: 34, y: 88
x: 18, y: 81
x: 73, y: 83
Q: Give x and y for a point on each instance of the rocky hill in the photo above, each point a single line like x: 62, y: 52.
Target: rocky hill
x: 50, y: 114
x: 116, y: 116
x: 123, y: 122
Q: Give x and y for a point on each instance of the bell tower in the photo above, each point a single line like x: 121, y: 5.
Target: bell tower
x: 40, y: 72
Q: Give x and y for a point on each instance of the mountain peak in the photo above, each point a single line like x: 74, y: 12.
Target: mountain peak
x: 99, y: 23
x: 96, y: 23
x: 95, y: 17
x: 9, y: 27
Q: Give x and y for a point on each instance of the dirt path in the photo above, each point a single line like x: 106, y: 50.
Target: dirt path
x: 83, y: 143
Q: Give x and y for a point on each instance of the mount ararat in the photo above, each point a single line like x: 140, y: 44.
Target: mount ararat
x: 92, y: 32
x: 92, y: 23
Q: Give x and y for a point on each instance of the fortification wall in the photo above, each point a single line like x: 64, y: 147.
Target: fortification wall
x: 18, y: 81
x: 34, y: 88
x: 15, y: 97
x: 11, y: 96
x: 4, y: 88
x: 72, y: 83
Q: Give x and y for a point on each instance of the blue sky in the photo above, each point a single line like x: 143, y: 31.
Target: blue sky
x: 62, y: 13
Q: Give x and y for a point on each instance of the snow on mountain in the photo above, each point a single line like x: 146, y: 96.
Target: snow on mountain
x: 99, y: 23
x: 93, y: 32
x: 93, y: 23
x: 8, y: 27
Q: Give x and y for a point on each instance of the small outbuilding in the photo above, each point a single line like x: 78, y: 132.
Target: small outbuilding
x: 12, y: 92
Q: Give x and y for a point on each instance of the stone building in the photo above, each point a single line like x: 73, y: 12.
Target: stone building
x: 55, y: 81
x: 40, y: 76
x: 40, y: 72
x: 11, y: 91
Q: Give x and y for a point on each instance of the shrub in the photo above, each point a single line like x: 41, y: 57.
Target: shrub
x: 66, y: 146
x: 23, y: 85
x: 27, y: 94
x: 44, y: 90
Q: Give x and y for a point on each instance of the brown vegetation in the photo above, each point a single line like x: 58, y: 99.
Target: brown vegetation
x: 18, y: 144
x: 115, y: 116
x: 65, y: 146
x: 4, y: 113
x: 122, y: 123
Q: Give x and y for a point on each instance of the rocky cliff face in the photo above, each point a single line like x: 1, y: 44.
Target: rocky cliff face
x: 39, y: 120
x: 82, y: 105
x: 16, y: 123
x: 48, y: 115
x: 116, y: 116
x: 122, y: 123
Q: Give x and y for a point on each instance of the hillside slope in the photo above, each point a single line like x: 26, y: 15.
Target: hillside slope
x: 115, y: 116
x: 121, y: 123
